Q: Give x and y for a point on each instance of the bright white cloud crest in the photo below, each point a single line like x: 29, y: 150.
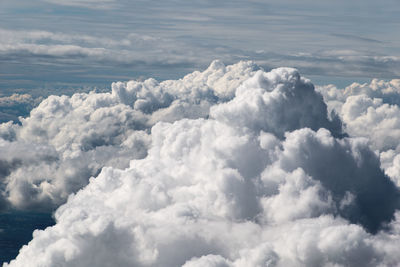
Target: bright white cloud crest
x: 226, y: 167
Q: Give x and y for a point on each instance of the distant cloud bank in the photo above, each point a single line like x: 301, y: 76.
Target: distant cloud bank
x: 86, y: 57
x: 232, y: 166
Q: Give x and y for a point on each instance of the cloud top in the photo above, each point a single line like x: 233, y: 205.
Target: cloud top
x: 69, y: 139
x: 225, y: 167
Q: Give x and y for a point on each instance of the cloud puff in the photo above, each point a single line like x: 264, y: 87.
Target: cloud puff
x: 88, y: 131
x: 192, y: 202
x: 388, y: 91
x: 370, y: 117
x: 371, y: 111
x: 277, y: 101
x: 233, y: 186
x: 362, y: 192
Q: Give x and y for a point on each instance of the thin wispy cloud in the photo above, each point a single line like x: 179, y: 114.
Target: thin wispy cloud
x: 357, y: 38
x: 191, y: 34
x: 91, y: 4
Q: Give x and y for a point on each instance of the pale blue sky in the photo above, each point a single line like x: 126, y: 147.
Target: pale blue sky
x: 61, y: 44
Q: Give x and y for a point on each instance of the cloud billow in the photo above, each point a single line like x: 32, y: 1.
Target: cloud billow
x: 276, y: 102
x: 226, y: 167
x: 69, y: 139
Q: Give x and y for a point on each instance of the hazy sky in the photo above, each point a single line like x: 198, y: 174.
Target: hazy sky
x: 59, y: 44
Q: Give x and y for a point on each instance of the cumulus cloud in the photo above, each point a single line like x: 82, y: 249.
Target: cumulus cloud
x: 370, y: 117
x: 388, y: 91
x: 190, y: 202
x: 277, y: 102
x: 371, y: 111
x: 362, y: 192
x: 234, y: 168
x: 88, y: 131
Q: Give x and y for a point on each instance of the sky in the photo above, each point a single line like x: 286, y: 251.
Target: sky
x: 51, y: 46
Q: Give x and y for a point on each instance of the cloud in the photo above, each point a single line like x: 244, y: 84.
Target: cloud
x: 333, y: 62
x: 216, y: 221
x: 390, y: 161
x: 225, y: 167
x: 44, y: 47
x: 11, y: 107
x: 356, y: 38
x: 371, y: 110
x: 368, y: 110
x: 357, y: 184
x: 127, y: 49
x: 84, y: 130
x: 277, y: 102
x: 92, y: 4
x: 76, y: 46
x: 80, y: 55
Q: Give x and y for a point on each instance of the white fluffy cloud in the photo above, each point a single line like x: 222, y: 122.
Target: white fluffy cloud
x: 194, y: 201
x: 217, y: 176
x: 368, y: 110
x: 86, y: 132
x: 277, y: 101
x: 372, y: 111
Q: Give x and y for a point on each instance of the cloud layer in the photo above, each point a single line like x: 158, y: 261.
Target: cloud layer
x: 232, y: 166
x: 11, y: 107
